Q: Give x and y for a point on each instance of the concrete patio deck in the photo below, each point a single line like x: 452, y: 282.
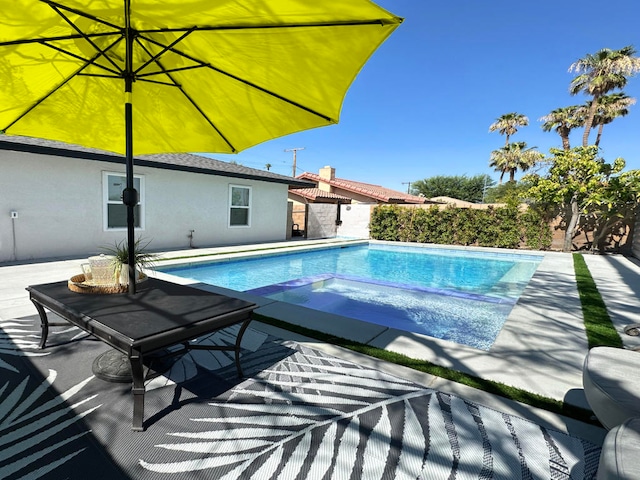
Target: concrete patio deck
x: 540, y: 349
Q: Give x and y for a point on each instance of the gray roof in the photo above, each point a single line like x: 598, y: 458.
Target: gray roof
x: 186, y: 162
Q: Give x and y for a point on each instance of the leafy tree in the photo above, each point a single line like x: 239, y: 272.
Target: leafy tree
x: 508, y: 124
x: 465, y: 188
x: 513, y: 157
x: 585, y: 185
x: 610, y: 107
x: 599, y: 74
x: 613, y: 207
x: 506, y: 192
x: 563, y: 120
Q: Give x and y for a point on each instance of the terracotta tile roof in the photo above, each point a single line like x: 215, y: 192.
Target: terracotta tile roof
x: 376, y: 192
x: 315, y: 194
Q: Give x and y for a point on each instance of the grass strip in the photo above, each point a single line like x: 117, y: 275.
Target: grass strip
x: 496, y: 388
x: 597, y: 322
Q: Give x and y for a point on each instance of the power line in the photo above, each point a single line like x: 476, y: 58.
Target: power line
x: 408, y: 184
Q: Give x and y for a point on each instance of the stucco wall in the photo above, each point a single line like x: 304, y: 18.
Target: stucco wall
x: 355, y: 220
x: 60, y: 208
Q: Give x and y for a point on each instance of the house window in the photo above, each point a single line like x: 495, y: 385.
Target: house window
x: 239, y: 206
x: 115, y: 212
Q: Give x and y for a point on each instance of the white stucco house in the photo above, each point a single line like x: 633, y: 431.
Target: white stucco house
x: 60, y: 200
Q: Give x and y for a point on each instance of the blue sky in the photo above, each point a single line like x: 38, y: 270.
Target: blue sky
x: 423, y: 104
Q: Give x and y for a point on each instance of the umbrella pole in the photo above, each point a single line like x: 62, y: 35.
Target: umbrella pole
x: 130, y: 195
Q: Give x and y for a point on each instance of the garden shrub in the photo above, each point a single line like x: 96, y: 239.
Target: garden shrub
x: 422, y: 224
x: 488, y: 230
x: 466, y: 228
x: 444, y: 231
x: 537, y: 233
x: 385, y: 223
x: 509, y: 233
x: 504, y: 227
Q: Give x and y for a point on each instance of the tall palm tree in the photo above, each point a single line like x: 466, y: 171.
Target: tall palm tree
x: 513, y: 157
x: 563, y: 120
x: 508, y: 124
x: 609, y: 108
x: 600, y: 73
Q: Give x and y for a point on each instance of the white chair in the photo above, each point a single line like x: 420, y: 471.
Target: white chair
x: 620, y: 456
x: 611, y: 380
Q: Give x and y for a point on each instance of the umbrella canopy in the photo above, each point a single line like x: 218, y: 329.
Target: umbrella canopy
x: 155, y: 76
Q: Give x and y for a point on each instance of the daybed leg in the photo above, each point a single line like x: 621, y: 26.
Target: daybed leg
x: 243, y: 328
x: 137, y: 389
x: 44, y: 323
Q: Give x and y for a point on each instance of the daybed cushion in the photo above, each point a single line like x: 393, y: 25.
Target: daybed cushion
x: 620, y: 456
x: 611, y: 380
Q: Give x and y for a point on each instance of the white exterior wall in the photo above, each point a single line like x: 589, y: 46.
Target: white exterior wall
x: 60, y: 208
x: 355, y: 220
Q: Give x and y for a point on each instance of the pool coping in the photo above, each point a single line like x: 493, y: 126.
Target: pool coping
x: 329, y: 323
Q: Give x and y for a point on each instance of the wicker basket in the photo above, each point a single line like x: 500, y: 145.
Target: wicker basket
x: 78, y: 284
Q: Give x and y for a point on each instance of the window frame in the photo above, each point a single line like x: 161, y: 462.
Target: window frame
x: 231, y: 206
x: 106, y: 202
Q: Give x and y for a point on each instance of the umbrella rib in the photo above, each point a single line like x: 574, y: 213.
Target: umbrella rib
x: 88, y: 62
x: 153, y: 57
x: 181, y: 69
x: 241, y: 80
x: 346, y: 23
x: 43, y: 98
x: 58, y: 6
x: 27, y: 41
x: 168, y: 30
x: 100, y: 51
x: 195, y: 105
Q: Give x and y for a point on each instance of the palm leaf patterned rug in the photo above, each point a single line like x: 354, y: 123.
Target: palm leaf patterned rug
x: 298, y: 414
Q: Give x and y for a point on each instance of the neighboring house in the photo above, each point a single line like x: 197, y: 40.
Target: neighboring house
x: 357, y: 192
x: 336, y: 206
x: 315, y: 195
x: 65, y: 200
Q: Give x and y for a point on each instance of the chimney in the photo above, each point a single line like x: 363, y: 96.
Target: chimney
x: 327, y: 173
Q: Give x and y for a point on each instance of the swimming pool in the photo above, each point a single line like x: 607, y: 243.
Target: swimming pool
x: 463, y: 296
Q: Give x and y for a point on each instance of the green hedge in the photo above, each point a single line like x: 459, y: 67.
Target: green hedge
x: 505, y: 227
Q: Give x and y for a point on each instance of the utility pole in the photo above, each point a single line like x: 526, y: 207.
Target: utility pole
x: 408, y: 184
x: 294, y: 150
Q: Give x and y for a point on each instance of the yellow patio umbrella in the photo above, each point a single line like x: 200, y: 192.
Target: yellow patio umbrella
x: 152, y: 76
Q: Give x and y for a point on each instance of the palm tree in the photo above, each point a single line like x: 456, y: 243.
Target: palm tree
x: 513, y: 157
x: 268, y: 167
x: 563, y: 120
x: 609, y: 108
x: 508, y: 124
x: 599, y: 74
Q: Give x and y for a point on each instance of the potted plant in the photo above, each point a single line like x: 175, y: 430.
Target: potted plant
x: 120, y: 253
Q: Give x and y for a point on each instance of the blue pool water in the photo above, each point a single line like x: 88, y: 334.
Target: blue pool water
x: 462, y: 296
